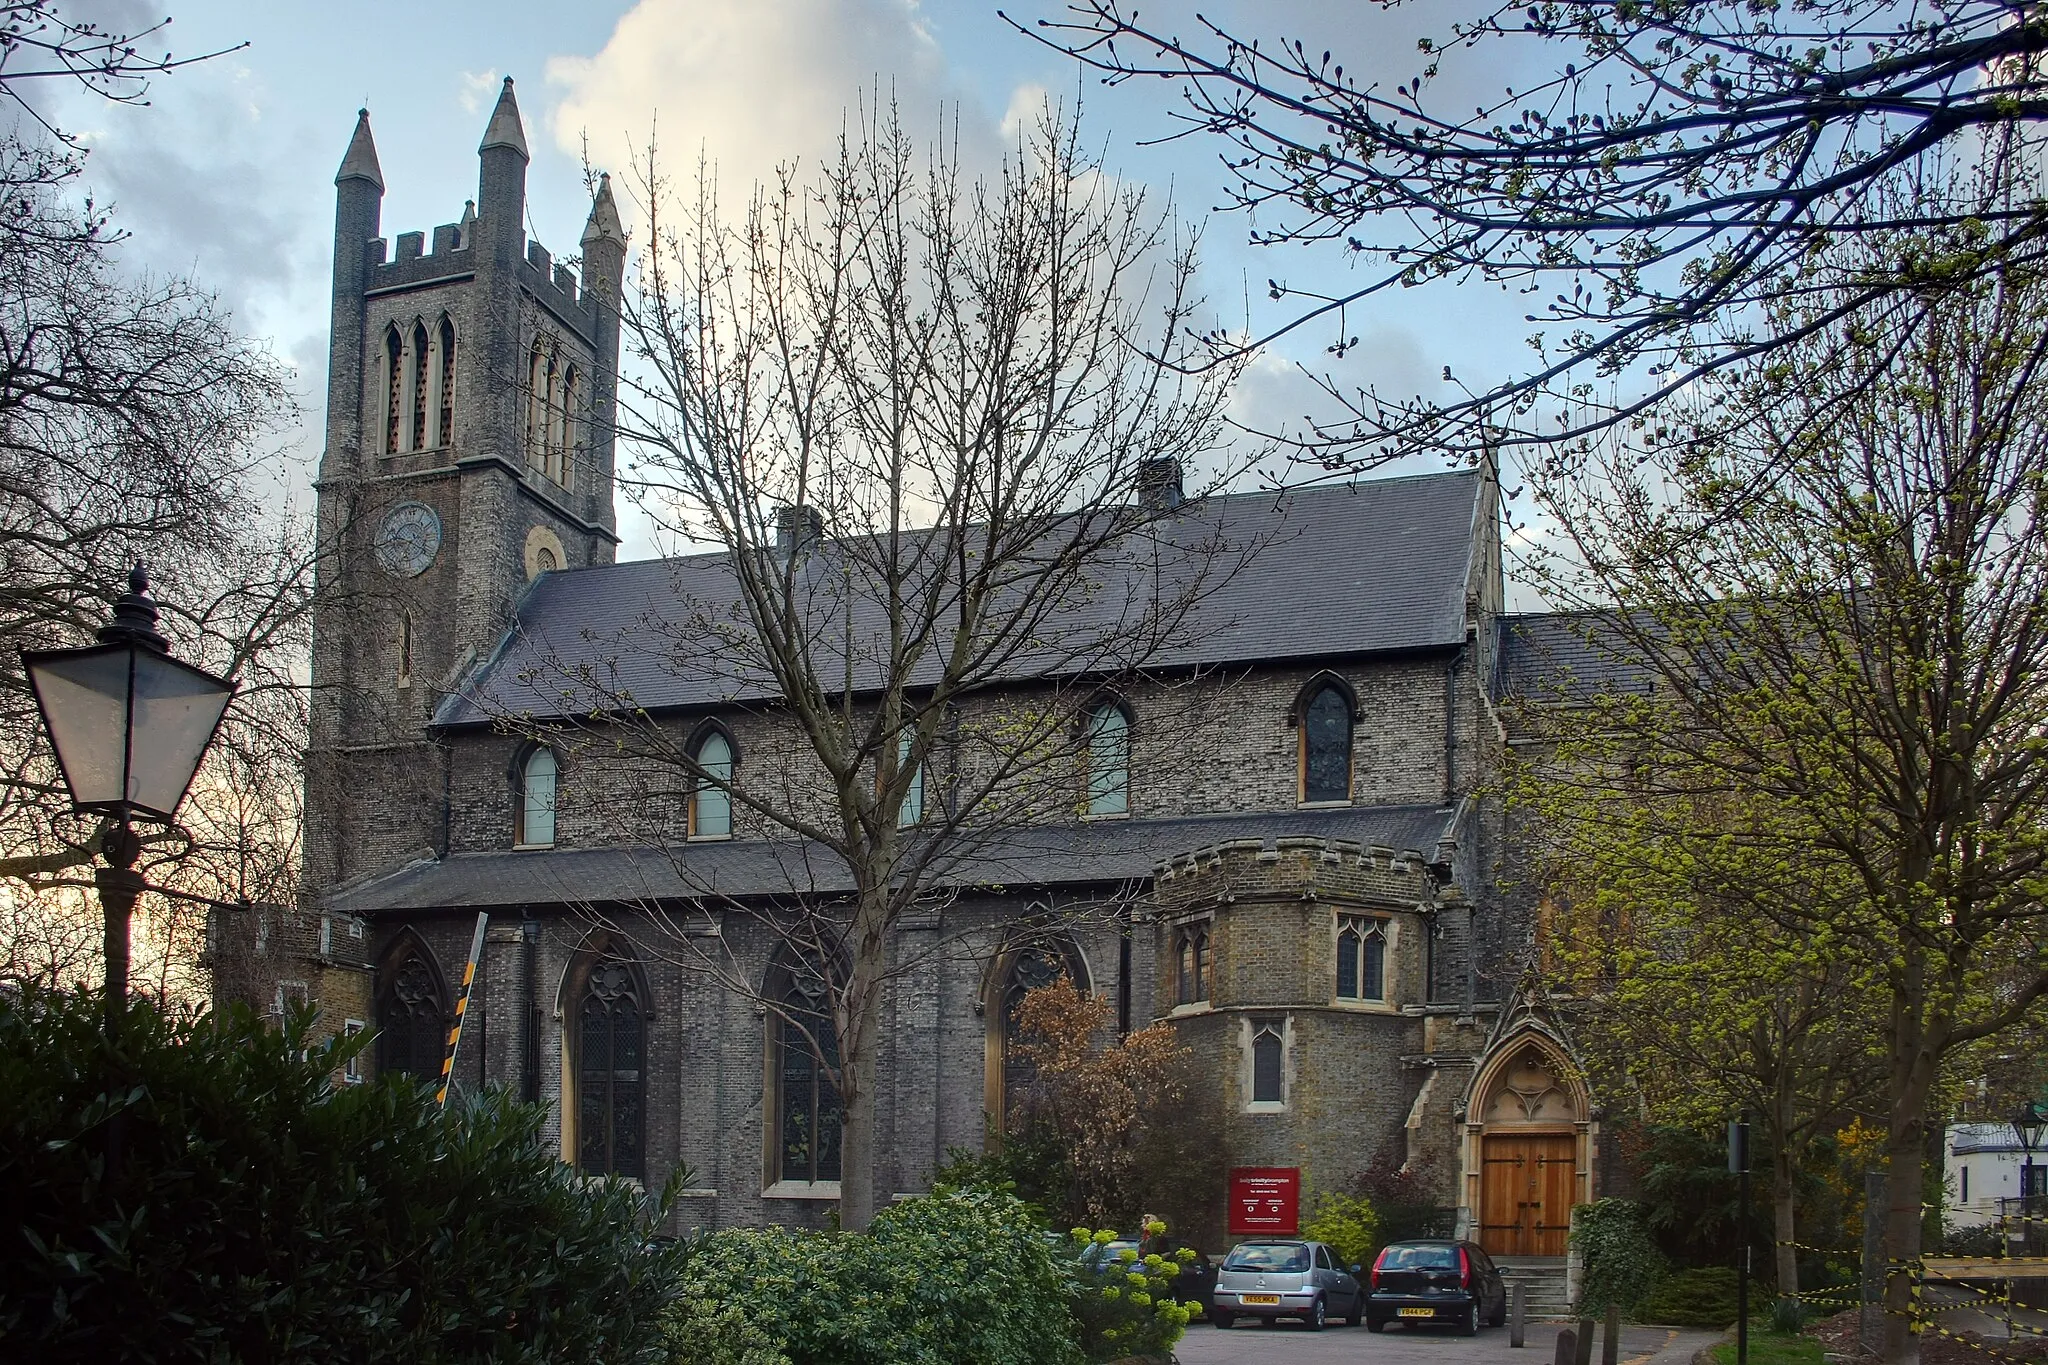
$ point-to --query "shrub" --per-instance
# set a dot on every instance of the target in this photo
(1692, 1298)
(957, 1276)
(1622, 1263)
(1125, 1306)
(261, 1213)
(1350, 1224)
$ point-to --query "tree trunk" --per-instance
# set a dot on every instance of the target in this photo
(858, 1040)
(1783, 1225)
(1906, 1153)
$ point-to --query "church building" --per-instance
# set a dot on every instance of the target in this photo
(1310, 897)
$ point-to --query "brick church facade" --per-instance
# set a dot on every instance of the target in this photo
(1311, 897)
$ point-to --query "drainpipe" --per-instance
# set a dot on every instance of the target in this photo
(530, 1050)
(1123, 969)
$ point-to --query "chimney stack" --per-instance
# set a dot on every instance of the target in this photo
(1159, 486)
(798, 530)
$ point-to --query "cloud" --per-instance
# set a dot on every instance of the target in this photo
(476, 86)
(754, 85)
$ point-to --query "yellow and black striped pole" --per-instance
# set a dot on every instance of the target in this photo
(476, 950)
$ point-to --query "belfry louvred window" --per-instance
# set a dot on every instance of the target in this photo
(611, 1045)
(394, 389)
(445, 423)
(419, 387)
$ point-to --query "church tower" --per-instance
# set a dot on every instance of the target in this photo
(471, 384)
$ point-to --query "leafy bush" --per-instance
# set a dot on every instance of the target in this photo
(1692, 1298)
(1350, 1224)
(1622, 1262)
(956, 1276)
(1125, 1306)
(1789, 1316)
(258, 1212)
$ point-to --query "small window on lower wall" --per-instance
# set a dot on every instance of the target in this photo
(1268, 1061)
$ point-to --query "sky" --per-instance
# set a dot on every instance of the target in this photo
(227, 174)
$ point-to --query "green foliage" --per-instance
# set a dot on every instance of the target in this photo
(1348, 1223)
(1789, 1315)
(260, 1213)
(1403, 1194)
(1125, 1306)
(1029, 1164)
(1701, 1297)
(961, 1276)
(1774, 1348)
(1622, 1263)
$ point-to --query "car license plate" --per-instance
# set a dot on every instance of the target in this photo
(1418, 1312)
(1258, 1298)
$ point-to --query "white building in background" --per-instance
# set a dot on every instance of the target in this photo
(1982, 1164)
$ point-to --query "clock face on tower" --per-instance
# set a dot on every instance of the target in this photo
(408, 539)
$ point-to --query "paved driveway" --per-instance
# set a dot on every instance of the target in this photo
(1288, 1342)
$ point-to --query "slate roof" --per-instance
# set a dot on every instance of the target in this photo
(1040, 856)
(1370, 567)
(1565, 656)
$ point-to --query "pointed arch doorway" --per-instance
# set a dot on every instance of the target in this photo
(1528, 1149)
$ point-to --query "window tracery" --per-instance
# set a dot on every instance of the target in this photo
(412, 1020)
(611, 1037)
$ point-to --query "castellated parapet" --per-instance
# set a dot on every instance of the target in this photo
(1337, 869)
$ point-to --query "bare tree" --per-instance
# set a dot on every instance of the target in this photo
(134, 425)
(1853, 651)
(1673, 164)
(909, 411)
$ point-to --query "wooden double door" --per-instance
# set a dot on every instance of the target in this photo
(1526, 1188)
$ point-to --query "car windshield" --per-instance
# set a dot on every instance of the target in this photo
(1420, 1257)
(1266, 1256)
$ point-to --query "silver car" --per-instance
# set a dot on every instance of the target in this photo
(1272, 1278)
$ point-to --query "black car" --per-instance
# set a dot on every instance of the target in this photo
(1435, 1283)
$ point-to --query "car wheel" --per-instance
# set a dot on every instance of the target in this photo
(1375, 1324)
(1223, 1319)
(1318, 1315)
(1470, 1326)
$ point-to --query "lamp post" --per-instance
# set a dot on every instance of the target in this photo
(129, 724)
(2027, 1126)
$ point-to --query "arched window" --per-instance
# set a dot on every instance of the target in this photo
(711, 795)
(1326, 745)
(404, 648)
(1191, 963)
(394, 382)
(445, 426)
(610, 1080)
(1011, 1077)
(544, 560)
(911, 811)
(419, 386)
(804, 1057)
(536, 396)
(1361, 958)
(565, 430)
(412, 1015)
(536, 815)
(1109, 760)
(1269, 1058)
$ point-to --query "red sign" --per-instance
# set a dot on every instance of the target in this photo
(1265, 1199)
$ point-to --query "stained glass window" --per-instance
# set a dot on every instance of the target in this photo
(1326, 747)
(610, 1076)
(807, 1053)
(412, 1021)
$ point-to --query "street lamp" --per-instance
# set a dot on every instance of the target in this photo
(129, 724)
(2027, 1126)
